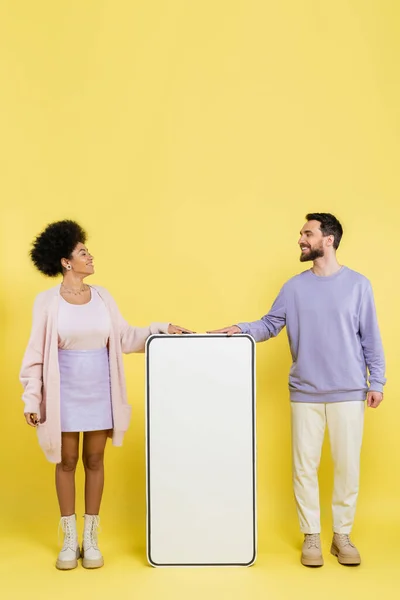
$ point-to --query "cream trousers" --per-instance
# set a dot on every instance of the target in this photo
(345, 421)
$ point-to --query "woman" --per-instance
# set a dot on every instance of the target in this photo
(73, 378)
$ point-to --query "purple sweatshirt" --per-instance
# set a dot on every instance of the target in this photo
(333, 335)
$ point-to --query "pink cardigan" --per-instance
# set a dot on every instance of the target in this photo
(40, 374)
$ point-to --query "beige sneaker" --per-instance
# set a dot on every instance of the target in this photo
(311, 554)
(345, 550)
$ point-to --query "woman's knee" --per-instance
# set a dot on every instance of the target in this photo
(93, 461)
(69, 462)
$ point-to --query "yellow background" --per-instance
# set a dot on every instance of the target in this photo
(190, 138)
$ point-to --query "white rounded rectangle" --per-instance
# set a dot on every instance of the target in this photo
(201, 456)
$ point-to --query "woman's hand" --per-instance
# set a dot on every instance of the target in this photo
(32, 419)
(175, 330)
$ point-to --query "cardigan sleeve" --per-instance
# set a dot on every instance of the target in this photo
(133, 339)
(31, 373)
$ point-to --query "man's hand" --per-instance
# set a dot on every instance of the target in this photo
(232, 330)
(374, 399)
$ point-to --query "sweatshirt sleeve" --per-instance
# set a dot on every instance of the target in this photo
(133, 339)
(270, 324)
(371, 341)
(31, 373)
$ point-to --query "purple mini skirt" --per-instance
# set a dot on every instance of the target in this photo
(85, 390)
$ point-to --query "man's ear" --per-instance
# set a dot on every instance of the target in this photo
(330, 240)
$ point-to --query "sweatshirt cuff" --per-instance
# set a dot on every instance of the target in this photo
(375, 386)
(244, 327)
(159, 328)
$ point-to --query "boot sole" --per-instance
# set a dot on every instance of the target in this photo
(68, 565)
(345, 560)
(92, 564)
(312, 562)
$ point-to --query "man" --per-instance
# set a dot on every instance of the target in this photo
(335, 342)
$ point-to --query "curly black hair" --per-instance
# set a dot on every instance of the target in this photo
(57, 241)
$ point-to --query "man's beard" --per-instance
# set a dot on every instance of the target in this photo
(313, 254)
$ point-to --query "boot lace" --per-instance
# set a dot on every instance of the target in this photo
(344, 539)
(312, 540)
(69, 533)
(90, 533)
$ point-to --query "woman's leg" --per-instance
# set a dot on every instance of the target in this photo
(65, 473)
(65, 485)
(94, 443)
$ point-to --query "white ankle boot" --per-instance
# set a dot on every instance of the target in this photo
(91, 555)
(68, 557)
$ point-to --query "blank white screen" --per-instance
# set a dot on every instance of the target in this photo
(200, 450)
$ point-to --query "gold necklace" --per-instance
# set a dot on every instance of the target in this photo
(83, 289)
